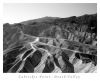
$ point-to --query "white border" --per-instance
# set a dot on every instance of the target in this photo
(16, 76)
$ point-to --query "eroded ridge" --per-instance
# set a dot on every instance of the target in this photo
(49, 56)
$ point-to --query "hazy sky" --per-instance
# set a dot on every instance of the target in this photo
(18, 12)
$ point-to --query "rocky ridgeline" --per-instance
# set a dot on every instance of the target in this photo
(43, 56)
(77, 36)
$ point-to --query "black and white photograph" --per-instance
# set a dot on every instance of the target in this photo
(50, 38)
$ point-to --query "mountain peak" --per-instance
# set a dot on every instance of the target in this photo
(42, 19)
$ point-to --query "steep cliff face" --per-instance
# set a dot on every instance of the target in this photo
(51, 45)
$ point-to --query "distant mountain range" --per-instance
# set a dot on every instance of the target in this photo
(43, 19)
(81, 29)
